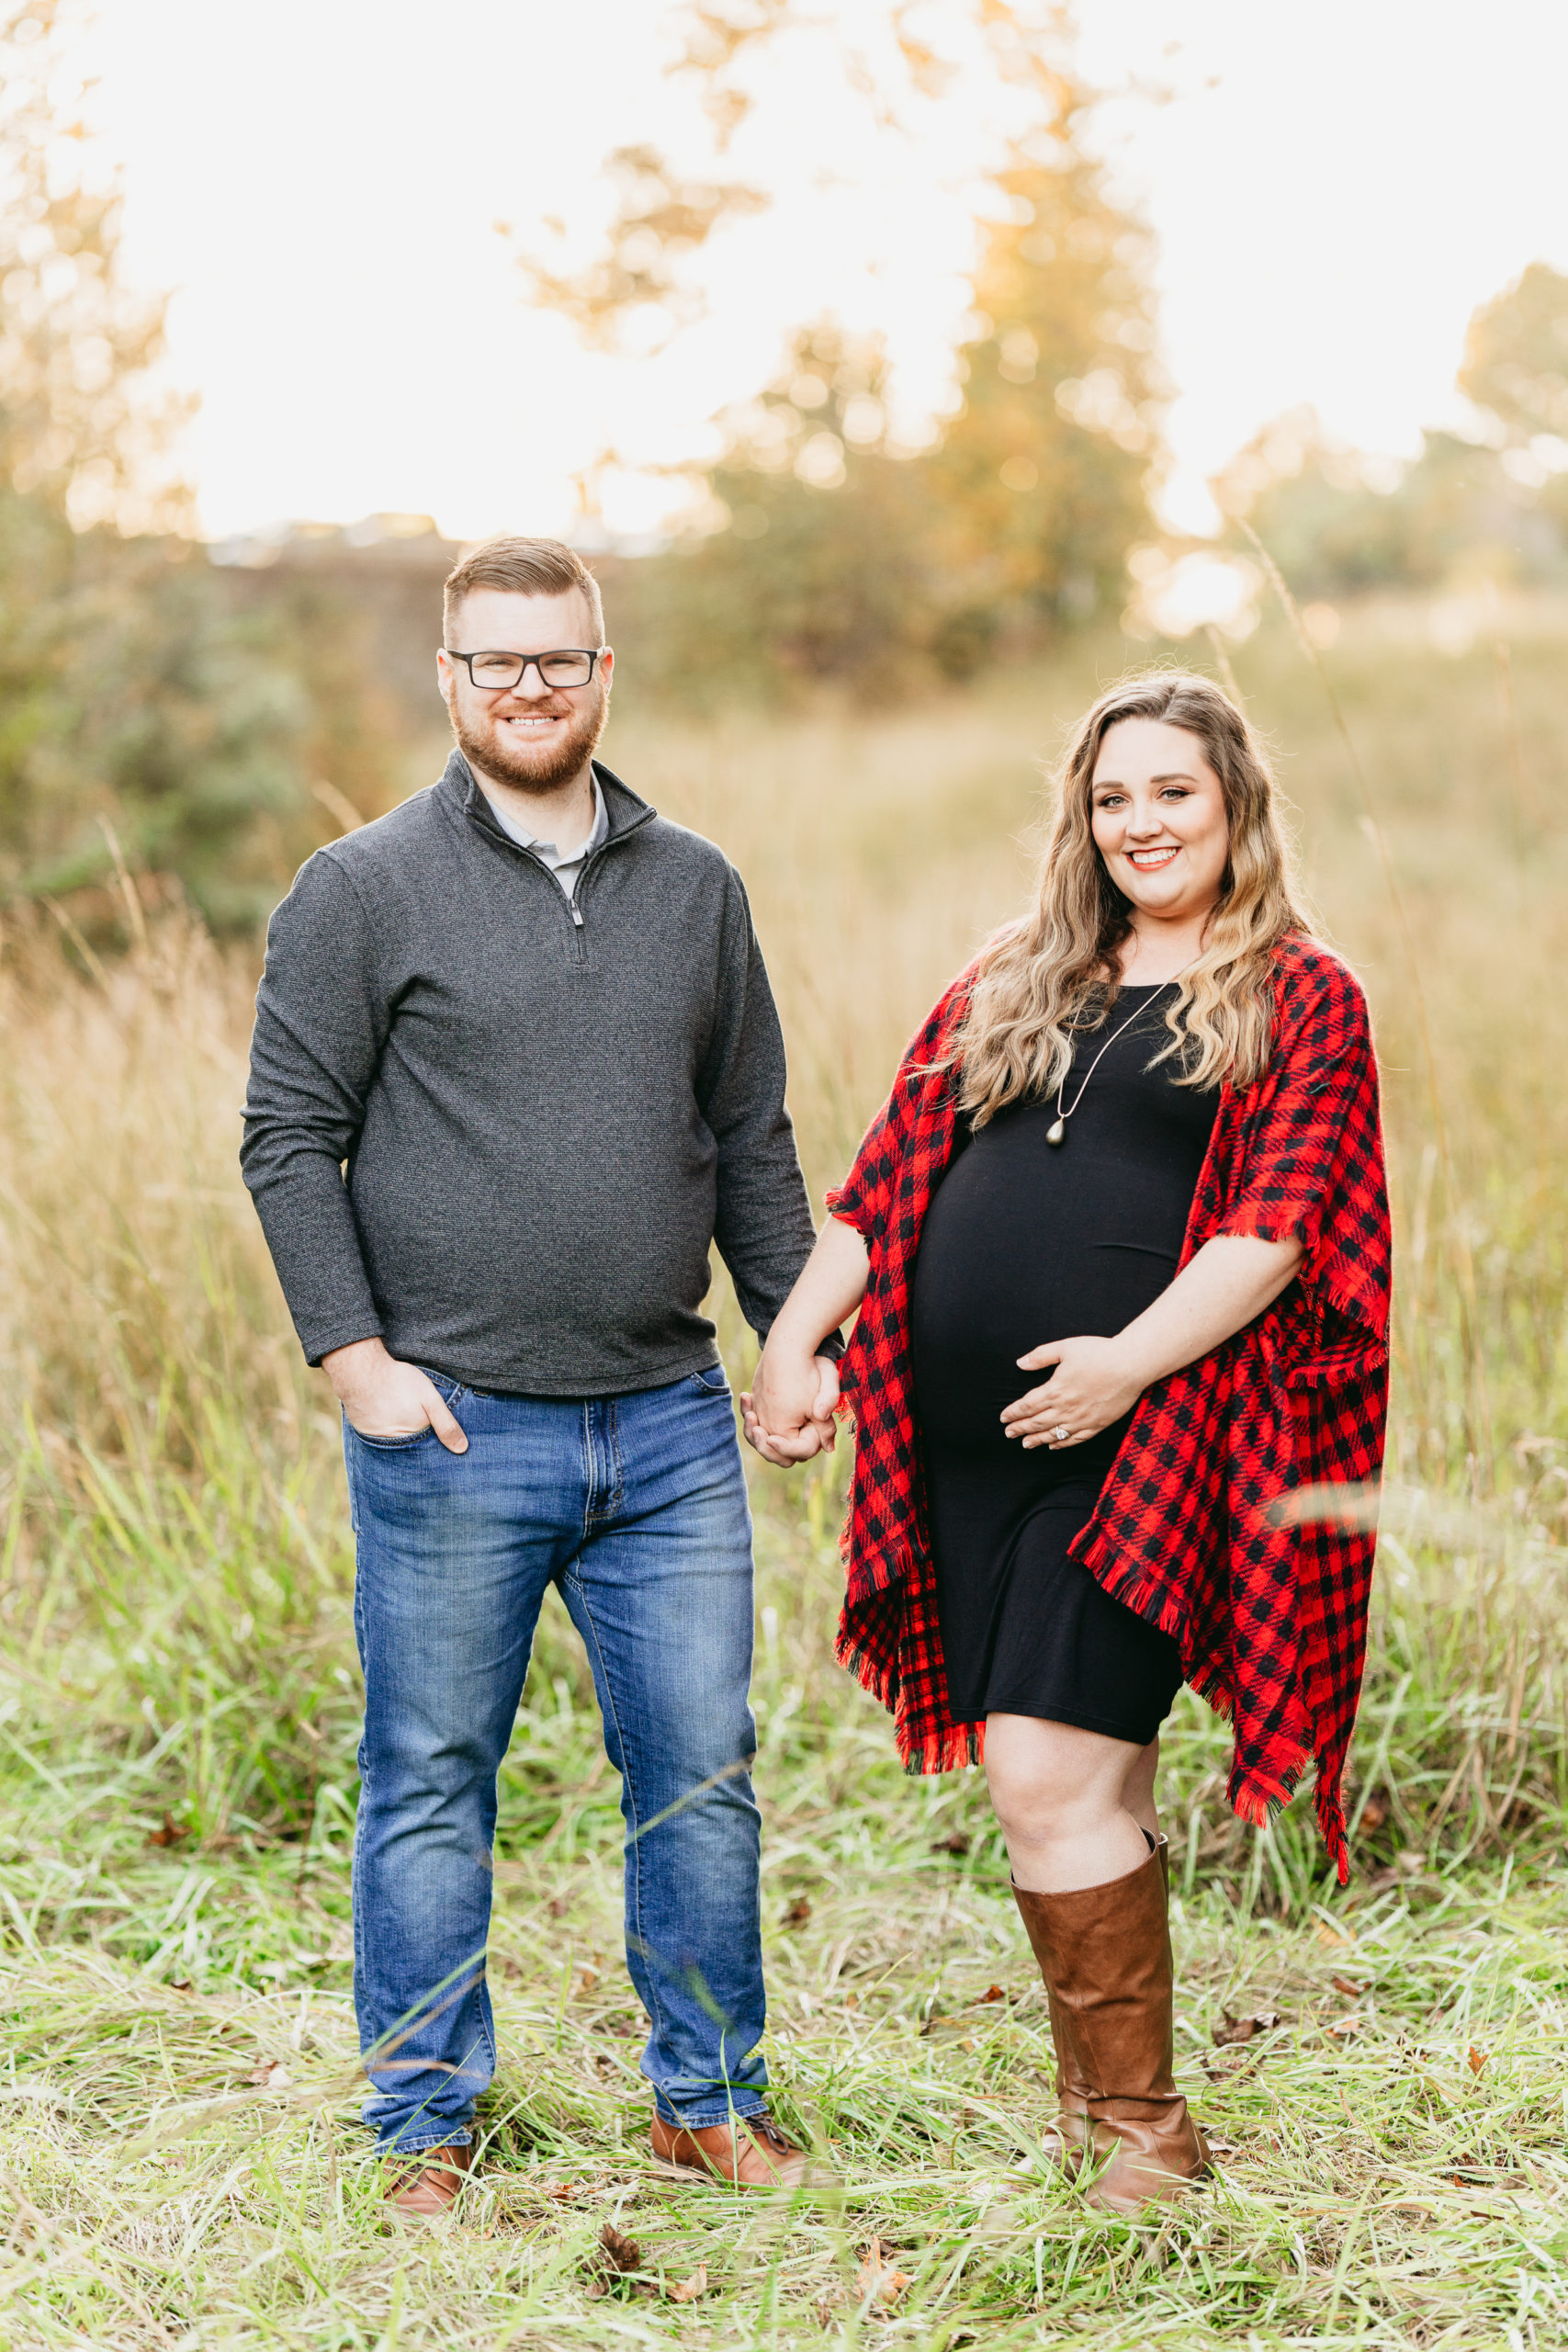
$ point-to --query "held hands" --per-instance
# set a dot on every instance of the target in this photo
(787, 1414)
(382, 1397)
(1091, 1387)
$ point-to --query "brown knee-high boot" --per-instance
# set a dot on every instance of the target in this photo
(1105, 1953)
(1066, 2140)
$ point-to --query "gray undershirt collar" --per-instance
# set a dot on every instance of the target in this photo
(565, 869)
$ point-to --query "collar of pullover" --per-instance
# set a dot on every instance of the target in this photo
(624, 810)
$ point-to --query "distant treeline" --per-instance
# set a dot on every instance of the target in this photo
(1490, 507)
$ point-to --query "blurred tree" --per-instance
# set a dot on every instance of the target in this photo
(1515, 357)
(821, 548)
(1042, 479)
(637, 295)
(1339, 524)
(81, 418)
(136, 692)
(133, 692)
(715, 37)
(833, 554)
(822, 563)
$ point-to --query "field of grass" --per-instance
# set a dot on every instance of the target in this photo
(179, 2166)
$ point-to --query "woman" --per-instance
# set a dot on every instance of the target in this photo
(1134, 1152)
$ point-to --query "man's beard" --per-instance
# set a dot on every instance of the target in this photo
(543, 770)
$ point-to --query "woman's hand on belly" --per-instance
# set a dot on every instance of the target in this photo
(1233, 1278)
(1094, 1383)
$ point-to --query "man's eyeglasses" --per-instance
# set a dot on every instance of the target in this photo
(568, 665)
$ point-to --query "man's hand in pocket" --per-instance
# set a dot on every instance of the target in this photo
(385, 1398)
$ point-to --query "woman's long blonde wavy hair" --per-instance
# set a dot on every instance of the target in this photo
(1056, 972)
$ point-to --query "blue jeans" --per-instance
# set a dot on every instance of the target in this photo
(635, 1507)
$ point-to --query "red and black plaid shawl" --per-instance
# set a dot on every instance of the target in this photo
(1188, 1530)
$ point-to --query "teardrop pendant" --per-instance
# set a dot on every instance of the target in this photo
(1056, 1132)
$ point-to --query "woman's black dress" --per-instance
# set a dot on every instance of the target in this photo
(1026, 1241)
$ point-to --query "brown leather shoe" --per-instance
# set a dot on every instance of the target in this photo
(1105, 1955)
(1064, 2142)
(750, 2154)
(424, 2184)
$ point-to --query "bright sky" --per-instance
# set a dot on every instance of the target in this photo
(1334, 190)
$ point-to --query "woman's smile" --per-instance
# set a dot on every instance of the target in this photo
(1157, 814)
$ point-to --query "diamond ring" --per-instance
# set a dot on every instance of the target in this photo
(1061, 1431)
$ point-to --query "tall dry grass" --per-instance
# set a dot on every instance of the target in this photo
(173, 1560)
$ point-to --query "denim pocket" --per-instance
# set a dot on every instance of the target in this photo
(392, 1445)
(452, 1391)
(711, 1380)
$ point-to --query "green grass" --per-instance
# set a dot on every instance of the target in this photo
(174, 1929)
(1392, 2169)
(179, 1696)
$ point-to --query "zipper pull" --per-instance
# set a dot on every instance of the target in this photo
(576, 913)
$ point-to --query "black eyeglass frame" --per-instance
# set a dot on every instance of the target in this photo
(590, 653)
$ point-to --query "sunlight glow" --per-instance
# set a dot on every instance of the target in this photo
(321, 188)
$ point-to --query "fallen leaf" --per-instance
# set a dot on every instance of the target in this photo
(563, 2192)
(1327, 1933)
(798, 1913)
(169, 1835)
(181, 1985)
(1218, 2148)
(686, 2290)
(1374, 1813)
(1243, 2029)
(992, 1992)
(1346, 1985)
(1343, 2028)
(1475, 2059)
(272, 2074)
(879, 2279)
(959, 1843)
(619, 2254)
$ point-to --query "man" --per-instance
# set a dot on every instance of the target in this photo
(533, 1020)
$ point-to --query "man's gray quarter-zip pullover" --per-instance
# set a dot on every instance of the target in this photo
(549, 1109)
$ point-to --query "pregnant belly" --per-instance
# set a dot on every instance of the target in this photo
(975, 1312)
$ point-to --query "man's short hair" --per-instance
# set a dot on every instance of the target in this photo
(525, 567)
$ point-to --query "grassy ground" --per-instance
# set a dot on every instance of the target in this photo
(180, 2165)
(178, 2162)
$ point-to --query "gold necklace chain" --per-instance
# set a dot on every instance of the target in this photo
(1057, 1131)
